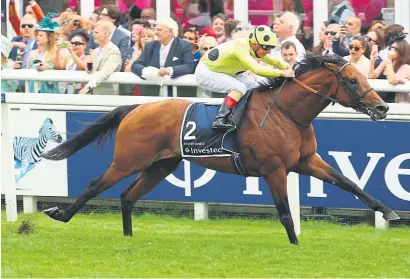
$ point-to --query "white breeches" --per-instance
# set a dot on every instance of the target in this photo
(223, 83)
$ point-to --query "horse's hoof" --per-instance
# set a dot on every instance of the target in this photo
(391, 216)
(55, 213)
(52, 212)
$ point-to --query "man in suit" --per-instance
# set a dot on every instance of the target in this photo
(170, 54)
(106, 60)
(22, 46)
(120, 37)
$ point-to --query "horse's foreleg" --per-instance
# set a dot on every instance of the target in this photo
(318, 168)
(96, 186)
(145, 182)
(277, 185)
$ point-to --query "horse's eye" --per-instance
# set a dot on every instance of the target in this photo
(353, 81)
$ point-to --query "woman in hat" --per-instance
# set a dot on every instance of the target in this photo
(46, 57)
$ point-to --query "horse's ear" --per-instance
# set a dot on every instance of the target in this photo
(331, 66)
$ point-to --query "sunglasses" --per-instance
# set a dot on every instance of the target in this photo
(77, 43)
(356, 48)
(369, 39)
(207, 48)
(265, 47)
(27, 25)
(333, 33)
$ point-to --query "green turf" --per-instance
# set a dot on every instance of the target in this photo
(93, 246)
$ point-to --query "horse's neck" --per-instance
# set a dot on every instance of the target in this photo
(300, 104)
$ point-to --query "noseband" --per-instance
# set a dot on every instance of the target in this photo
(352, 92)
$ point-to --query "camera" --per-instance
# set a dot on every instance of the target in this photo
(37, 62)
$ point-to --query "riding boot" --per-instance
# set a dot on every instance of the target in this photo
(222, 120)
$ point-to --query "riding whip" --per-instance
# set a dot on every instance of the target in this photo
(271, 105)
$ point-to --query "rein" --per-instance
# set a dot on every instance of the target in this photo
(271, 105)
(316, 92)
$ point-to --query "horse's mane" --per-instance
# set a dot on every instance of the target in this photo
(309, 63)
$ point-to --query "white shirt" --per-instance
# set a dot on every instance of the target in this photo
(99, 54)
(346, 13)
(384, 53)
(277, 53)
(363, 64)
(163, 53)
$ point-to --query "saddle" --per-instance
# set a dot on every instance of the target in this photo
(198, 139)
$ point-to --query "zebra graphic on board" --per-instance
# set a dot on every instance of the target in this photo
(27, 151)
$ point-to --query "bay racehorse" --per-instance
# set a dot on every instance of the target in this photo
(147, 139)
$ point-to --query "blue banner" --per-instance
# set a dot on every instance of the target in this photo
(375, 155)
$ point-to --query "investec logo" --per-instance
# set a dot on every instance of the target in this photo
(391, 173)
(391, 176)
(186, 183)
(252, 183)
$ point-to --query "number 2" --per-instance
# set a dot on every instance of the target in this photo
(188, 135)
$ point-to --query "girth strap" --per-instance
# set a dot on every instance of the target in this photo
(238, 164)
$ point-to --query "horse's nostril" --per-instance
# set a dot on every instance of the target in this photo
(382, 108)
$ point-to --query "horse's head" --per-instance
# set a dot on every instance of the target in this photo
(351, 88)
(50, 131)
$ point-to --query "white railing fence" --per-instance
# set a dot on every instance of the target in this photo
(130, 78)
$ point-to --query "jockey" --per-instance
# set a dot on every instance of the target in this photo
(223, 68)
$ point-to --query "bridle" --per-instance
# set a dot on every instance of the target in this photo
(358, 106)
(348, 87)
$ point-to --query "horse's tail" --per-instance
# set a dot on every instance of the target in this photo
(101, 129)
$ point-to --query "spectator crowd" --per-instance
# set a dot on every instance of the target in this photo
(111, 41)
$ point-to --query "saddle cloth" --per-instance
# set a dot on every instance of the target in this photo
(198, 139)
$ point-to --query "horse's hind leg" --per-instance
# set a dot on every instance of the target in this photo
(145, 182)
(318, 168)
(277, 185)
(96, 186)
